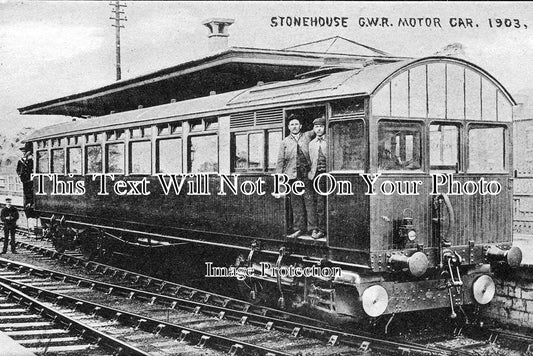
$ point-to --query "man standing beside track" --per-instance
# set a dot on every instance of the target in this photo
(9, 217)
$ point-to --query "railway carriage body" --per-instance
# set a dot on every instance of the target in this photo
(408, 125)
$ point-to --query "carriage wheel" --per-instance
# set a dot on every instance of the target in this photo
(88, 243)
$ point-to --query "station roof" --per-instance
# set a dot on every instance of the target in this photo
(349, 83)
(232, 69)
(361, 81)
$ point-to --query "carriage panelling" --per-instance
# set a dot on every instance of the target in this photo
(483, 218)
(478, 218)
(252, 216)
(387, 213)
(349, 216)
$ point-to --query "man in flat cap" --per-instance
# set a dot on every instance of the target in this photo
(9, 217)
(318, 154)
(293, 161)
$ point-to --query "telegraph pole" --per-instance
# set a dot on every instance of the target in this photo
(117, 12)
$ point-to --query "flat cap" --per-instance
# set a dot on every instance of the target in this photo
(320, 121)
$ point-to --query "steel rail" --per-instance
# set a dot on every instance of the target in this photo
(88, 332)
(331, 336)
(280, 318)
(171, 288)
(142, 322)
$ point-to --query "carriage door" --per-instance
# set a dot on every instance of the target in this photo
(348, 214)
(297, 208)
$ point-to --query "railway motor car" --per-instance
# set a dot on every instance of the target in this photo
(406, 120)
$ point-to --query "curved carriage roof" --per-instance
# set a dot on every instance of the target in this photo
(357, 82)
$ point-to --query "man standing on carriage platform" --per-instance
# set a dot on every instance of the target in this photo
(24, 171)
(318, 153)
(293, 161)
(9, 217)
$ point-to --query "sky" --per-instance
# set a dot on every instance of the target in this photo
(50, 49)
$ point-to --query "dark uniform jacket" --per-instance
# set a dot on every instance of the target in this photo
(24, 169)
(288, 153)
(9, 216)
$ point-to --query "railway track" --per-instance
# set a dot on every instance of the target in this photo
(269, 335)
(169, 297)
(46, 331)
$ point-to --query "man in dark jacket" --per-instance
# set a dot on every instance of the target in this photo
(24, 171)
(9, 217)
(293, 161)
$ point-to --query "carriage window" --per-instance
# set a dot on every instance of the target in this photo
(203, 154)
(444, 146)
(399, 146)
(249, 150)
(74, 160)
(241, 151)
(58, 161)
(140, 157)
(347, 107)
(42, 161)
(486, 149)
(274, 141)
(169, 156)
(348, 150)
(115, 158)
(93, 157)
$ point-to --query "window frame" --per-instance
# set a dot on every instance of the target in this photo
(267, 148)
(460, 144)
(506, 146)
(51, 156)
(106, 153)
(86, 158)
(47, 160)
(329, 163)
(129, 156)
(422, 124)
(190, 136)
(265, 131)
(157, 150)
(247, 133)
(67, 160)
